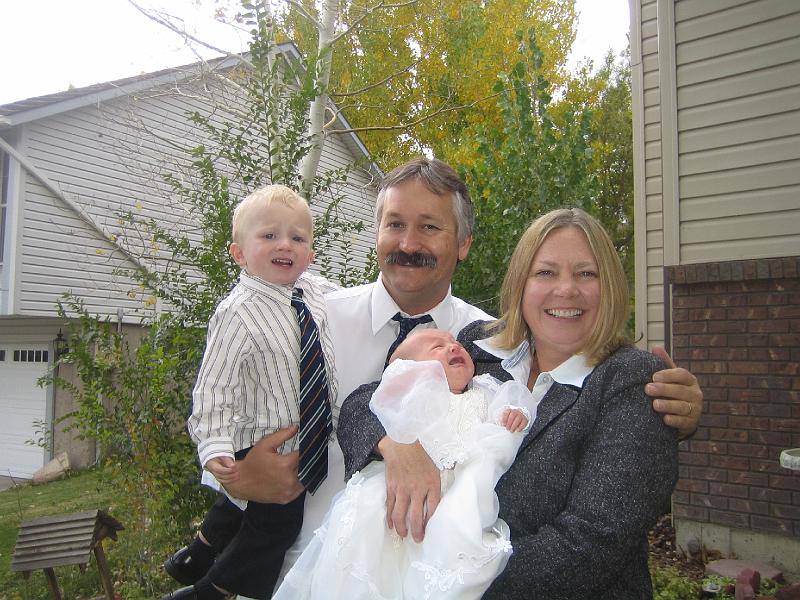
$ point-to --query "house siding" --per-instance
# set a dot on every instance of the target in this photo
(109, 158)
(717, 101)
(648, 192)
(736, 119)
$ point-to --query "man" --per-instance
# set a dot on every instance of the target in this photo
(424, 229)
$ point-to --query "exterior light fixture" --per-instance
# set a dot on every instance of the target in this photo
(60, 347)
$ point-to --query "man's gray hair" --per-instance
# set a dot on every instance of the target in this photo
(439, 178)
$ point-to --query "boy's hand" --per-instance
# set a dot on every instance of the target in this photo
(266, 476)
(677, 396)
(224, 469)
(514, 420)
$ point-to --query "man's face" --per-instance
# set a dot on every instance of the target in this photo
(418, 246)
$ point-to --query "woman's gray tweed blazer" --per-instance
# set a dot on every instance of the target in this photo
(593, 474)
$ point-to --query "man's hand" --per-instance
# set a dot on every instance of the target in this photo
(224, 469)
(266, 476)
(677, 396)
(413, 487)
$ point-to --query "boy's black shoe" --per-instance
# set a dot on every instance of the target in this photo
(188, 565)
(185, 593)
(204, 590)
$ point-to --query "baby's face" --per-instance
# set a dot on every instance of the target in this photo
(439, 345)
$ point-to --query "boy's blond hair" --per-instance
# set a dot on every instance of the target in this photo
(264, 196)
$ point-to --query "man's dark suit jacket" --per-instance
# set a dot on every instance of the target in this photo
(591, 477)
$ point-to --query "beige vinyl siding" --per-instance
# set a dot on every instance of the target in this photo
(97, 159)
(738, 90)
(112, 157)
(732, 142)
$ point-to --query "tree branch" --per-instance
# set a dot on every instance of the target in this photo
(406, 126)
(379, 6)
(304, 13)
(377, 83)
(163, 19)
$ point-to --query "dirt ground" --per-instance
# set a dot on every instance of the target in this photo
(664, 551)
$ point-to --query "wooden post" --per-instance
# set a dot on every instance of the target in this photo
(105, 573)
(52, 584)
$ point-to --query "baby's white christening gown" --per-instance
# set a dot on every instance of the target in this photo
(355, 556)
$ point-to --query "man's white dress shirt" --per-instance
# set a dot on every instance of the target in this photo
(362, 330)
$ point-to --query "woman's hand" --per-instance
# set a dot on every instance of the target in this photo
(677, 396)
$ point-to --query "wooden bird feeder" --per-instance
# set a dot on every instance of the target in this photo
(62, 540)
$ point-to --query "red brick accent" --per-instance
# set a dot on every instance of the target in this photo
(736, 326)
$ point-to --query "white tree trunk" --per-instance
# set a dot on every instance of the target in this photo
(316, 112)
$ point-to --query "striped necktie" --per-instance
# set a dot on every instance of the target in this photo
(406, 325)
(315, 408)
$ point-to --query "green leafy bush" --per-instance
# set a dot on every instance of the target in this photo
(669, 584)
(133, 398)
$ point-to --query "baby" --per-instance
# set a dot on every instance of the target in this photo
(471, 428)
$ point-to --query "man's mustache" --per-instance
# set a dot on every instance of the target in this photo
(417, 259)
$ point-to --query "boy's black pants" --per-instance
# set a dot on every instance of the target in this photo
(250, 544)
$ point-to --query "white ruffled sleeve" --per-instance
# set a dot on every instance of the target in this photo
(411, 397)
(509, 394)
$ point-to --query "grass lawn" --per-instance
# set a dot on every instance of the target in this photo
(78, 492)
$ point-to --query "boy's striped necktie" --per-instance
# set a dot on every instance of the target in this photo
(315, 409)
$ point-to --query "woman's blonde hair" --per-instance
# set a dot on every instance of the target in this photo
(608, 332)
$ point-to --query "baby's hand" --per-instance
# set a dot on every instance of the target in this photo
(224, 469)
(514, 420)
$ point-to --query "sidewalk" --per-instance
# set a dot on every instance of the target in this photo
(5, 483)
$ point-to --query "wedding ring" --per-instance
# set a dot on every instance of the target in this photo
(691, 409)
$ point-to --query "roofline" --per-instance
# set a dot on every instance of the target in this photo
(135, 84)
(125, 87)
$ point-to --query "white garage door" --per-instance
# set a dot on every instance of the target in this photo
(22, 403)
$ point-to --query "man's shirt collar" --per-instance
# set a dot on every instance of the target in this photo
(384, 308)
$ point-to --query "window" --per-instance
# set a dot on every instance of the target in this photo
(2, 355)
(4, 167)
(30, 356)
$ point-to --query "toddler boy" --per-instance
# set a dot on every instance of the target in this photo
(268, 366)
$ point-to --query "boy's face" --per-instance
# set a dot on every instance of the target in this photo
(275, 244)
(439, 345)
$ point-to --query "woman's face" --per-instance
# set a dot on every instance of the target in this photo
(562, 296)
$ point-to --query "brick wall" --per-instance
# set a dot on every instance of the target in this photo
(736, 326)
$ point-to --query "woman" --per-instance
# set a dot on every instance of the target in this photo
(598, 466)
